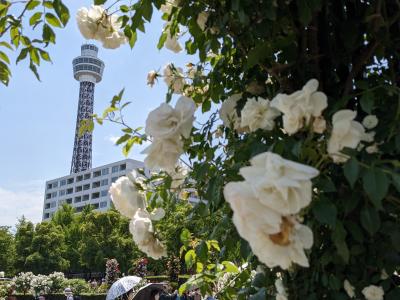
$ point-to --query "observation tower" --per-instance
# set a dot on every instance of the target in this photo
(88, 70)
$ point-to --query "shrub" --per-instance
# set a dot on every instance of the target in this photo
(78, 286)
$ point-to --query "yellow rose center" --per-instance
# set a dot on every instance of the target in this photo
(282, 238)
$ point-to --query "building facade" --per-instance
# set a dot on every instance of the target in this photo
(84, 188)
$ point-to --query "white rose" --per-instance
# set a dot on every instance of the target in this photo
(163, 154)
(202, 20)
(345, 133)
(126, 197)
(174, 78)
(372, 149)
(299, 107)
(373, 292)
(282, 185)
(370, 121)
(368, 137)
(349, 289)
(319, 125)
(87, 26)
(151, 77)
(167, 7)
(114, 40)
(228, 113)
(157, 214)
(171, 43)
(168, 122)
(258, 114)
(142, 231)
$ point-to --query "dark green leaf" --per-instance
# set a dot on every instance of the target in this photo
(34, 70)
(22, 55)
(162, 40)
(367, 102)
(4, 57)
(32, 4)
(202, 251)
(48, 34)
(351, 171)
(396, 181)
(339, 239)
(34, 55)
(325, 212)
(44, 55)
(260, 295)
(99, 2)
(7, 45)
(123, 139)
(376, 184)
(370, 219)
(62, 11)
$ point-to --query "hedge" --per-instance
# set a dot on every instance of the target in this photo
(62, 297)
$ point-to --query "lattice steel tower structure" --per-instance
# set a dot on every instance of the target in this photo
(88, 70)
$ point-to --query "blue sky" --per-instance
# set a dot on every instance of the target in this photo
(37, 119)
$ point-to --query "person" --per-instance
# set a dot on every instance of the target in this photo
(41, 297)
(68, 293)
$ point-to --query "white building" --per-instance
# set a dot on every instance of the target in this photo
(86, 187)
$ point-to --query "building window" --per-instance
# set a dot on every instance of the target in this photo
(86, 187)
(53, 194)
(46, 215)
(95, 205)
(77, 199)
(60, 202)
(79, 178)
(96, 195)
(86, 176)
(61, 193)
(104, 193)
(80, 208)
(95, 184)
(70, 191)
(103, 204)
(53, 204)
(63, 182)
(114, 169)
(104, 171)
(96, 174)
(47, 206)
(85, 197)
(55, 184)
(122, 167)
(104, 182)
(78, 189)
(70, 180)
(49, 186)
(114, 179)
(69, 201)
(48, 196)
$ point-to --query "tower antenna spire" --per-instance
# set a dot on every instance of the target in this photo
(88, 70)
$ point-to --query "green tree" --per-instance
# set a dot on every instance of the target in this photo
(69, 222)
(23, 243)
(47, 250)
(105, 235)
(7, 251)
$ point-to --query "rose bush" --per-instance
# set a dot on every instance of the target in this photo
(309, 196)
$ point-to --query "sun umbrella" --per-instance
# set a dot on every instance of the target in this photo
(145, 292)
(121, 286)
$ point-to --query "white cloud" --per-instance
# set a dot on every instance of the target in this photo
(111, 138)
(25, 200)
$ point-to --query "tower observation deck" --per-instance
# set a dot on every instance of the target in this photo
(88, 70)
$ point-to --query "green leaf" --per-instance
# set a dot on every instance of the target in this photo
(370, 219)
(376, 185)
(61, 11)
(147, 10)
(34, 55)
(34, 70)
(325, 212)
(127, 147)
(396, 181)
(15, 36)
(230, 267)
(52, 20)
(367, 102)
(186, 237)
(162, 40)
(339, 239)
(35, 18)
(48, 34)
(305, 12)
(32, 4)
(202, 251)
(199, 267)
(7, 45)
(22, 55)
(124, 8)
(190, 258)
(99, 2)
(351, 171)
(44, 55)
(258, 54)
(123, 139)
(4, 57)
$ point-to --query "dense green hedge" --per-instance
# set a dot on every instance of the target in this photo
(62, 297)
